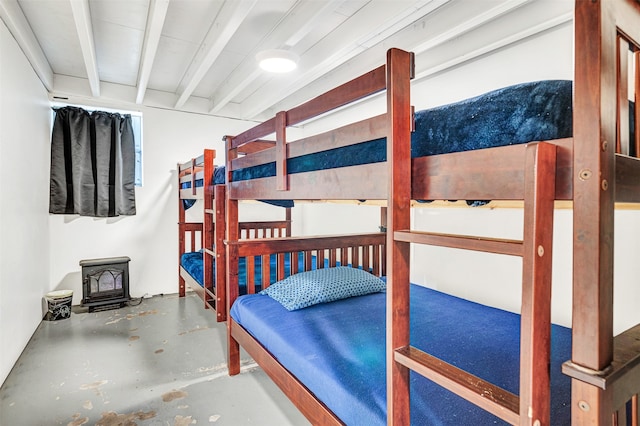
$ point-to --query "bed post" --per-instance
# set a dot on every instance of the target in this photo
(287, 217)
(399, 73)
(594, 129)
(181, 219)
(207, 224)
(219, 229)
(231, 282)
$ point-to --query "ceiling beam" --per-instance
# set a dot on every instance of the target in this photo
(223, 28)
(500, 44)
(16, 22)
(82, 19)
(470, 24)
(155, 22)
(473, 23)
(346, 52)
(248, 71)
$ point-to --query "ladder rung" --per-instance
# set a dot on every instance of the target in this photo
(210, 211)
(487, 396)
(209, 251)
(490, 245)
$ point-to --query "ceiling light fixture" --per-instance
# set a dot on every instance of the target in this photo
(277, 60)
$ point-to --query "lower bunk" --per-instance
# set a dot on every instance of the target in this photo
(202, 279)
(329, 358)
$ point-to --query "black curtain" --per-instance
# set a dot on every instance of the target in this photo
(92, 164)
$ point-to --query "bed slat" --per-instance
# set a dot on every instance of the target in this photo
(490, 245)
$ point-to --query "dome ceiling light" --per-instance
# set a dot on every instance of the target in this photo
(277, 60)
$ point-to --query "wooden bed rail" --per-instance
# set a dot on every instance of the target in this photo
(357, 250)
(358, 88)
(265, 229)
(367, 251)
(366, 85)
(191, 232)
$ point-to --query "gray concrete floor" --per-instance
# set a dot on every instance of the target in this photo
(161, 362)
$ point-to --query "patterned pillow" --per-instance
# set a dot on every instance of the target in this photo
(323, 285)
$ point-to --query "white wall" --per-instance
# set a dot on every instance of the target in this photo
(491, 279)
(24, 191)
(40, 253)
(150, 238)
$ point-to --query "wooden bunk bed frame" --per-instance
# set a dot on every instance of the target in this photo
(605, 369)
(207, 236)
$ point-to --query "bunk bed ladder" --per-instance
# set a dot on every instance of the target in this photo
(532, 406)
(214, 233)
(207, 228)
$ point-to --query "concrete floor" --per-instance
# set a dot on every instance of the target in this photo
(161, 362)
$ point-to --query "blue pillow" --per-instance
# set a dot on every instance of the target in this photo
(323, 285)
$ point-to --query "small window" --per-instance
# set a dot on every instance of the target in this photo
(136, 121)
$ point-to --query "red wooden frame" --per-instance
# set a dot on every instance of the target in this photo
(585, 169)
(209, 235)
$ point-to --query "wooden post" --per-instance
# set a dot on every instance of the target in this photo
(207, 223)
(181, 242)
(399, 72)
(535, 322)
(594, 130)
(232, 259)
(220, 229)
(281, 151)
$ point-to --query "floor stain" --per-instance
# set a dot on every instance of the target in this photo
(173, 395)
(111, 418)
(182, 421)
(134, 338)
(78, 421)
(193, 331)
(94, 385)
(143, 313)
(87, 405)
(159, 351)
(132, 316)
(214, 418)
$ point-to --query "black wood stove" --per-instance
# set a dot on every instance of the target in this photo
(105, 283)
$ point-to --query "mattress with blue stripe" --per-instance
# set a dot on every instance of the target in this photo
(517, 114)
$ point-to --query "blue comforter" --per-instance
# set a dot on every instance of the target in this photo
(338, 351)
(192, 262)
(521, 113)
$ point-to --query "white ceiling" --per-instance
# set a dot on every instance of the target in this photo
(199, 55)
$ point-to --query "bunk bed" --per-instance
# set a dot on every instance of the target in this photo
(201, 252)
(586, 168)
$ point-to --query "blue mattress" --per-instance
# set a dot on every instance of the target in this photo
(192, 262)
(219, 179)
(338, 351)
(517, 114)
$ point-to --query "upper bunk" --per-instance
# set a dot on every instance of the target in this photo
(198, 175)
(328, 166)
